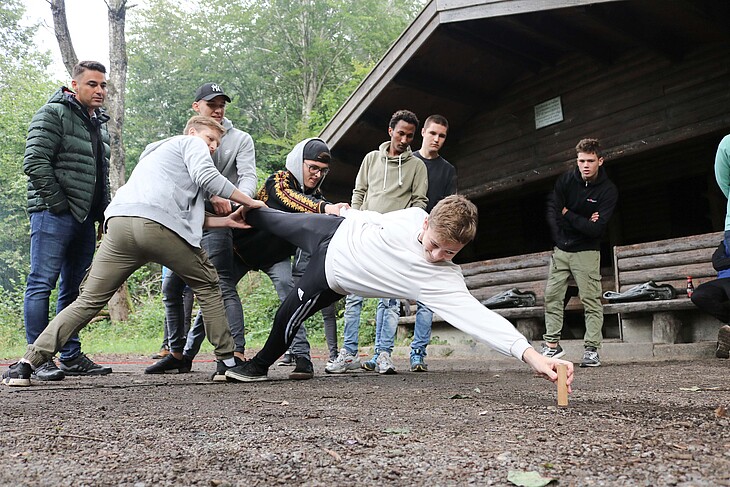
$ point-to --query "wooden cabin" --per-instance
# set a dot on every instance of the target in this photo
(649, 78)
(521, 81)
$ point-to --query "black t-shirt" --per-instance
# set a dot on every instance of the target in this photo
(441, 179)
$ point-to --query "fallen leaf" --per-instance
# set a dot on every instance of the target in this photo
(459, 396)
(528, 479)
(695, 388)
(397, 431)
(721, 412)
(333, 454)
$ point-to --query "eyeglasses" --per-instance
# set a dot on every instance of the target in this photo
(316, 169)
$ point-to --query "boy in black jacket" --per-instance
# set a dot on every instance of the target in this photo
(582, 203)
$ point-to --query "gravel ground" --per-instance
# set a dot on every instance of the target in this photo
(465, 422)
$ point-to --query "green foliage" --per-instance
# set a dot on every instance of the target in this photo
(141, 334)
(288, 65)
(12, 333)
(21, 67)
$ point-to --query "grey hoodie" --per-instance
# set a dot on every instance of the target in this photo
(236, 158)
(168, 184)
(387, 183)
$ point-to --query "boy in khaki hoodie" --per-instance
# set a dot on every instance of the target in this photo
(390, 178)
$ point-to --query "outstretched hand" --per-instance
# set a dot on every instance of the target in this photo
(335, 208)
(252, 203)
(237, 219)
(221, 206)
(547, 368)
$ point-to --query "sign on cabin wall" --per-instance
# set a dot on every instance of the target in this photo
(548, 113)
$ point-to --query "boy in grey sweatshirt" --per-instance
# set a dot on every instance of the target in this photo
(158, 216)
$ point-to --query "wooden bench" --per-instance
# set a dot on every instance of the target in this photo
(664, 262)
(528, 272)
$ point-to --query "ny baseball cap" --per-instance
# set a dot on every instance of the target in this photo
(208, 91)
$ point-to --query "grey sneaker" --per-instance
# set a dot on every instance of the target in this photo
(385, 364)
(723, 342)
(550, 352)
(48, 371)
(590, 358)
(83, 365)
(345, 361)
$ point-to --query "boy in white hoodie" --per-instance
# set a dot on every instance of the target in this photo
(158, 216)
(402, 253)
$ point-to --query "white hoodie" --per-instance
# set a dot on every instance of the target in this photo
(374, 255)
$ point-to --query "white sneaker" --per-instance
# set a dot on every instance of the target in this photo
(345, 361)
(385, 365)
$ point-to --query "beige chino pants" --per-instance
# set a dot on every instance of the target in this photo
(130, 243)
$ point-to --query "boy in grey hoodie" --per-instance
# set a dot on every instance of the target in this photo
(390, 178)
(158, 216)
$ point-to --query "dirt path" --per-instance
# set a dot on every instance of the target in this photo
(464, 422)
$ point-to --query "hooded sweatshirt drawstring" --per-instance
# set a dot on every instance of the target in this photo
(400, 171)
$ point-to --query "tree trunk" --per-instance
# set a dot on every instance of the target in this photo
(117, 88)
(119, 306)
(63, 36)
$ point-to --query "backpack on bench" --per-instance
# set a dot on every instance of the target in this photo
(512, 298)
(649, 291)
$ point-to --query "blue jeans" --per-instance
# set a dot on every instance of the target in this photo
(386, 324)
(59, 246)
(422, 328)
(353, 309)
(280, 275)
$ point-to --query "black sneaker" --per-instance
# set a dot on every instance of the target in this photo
(590, 358)
(220, 370)
(248, 372)
(169, 364)
(18, 375)
(304, 369)
(287, 360)
(48, 371)
(83, 365)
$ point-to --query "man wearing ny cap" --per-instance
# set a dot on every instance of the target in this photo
(236, 160)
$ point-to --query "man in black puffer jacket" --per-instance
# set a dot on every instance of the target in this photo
(582, 203)
(67, 164)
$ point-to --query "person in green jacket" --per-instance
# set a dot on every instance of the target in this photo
(67, 164)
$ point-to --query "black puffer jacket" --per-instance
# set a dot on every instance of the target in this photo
(60, 158)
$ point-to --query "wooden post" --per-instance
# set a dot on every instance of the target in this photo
(562, 385)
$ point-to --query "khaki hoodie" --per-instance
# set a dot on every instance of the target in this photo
(386, 183)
